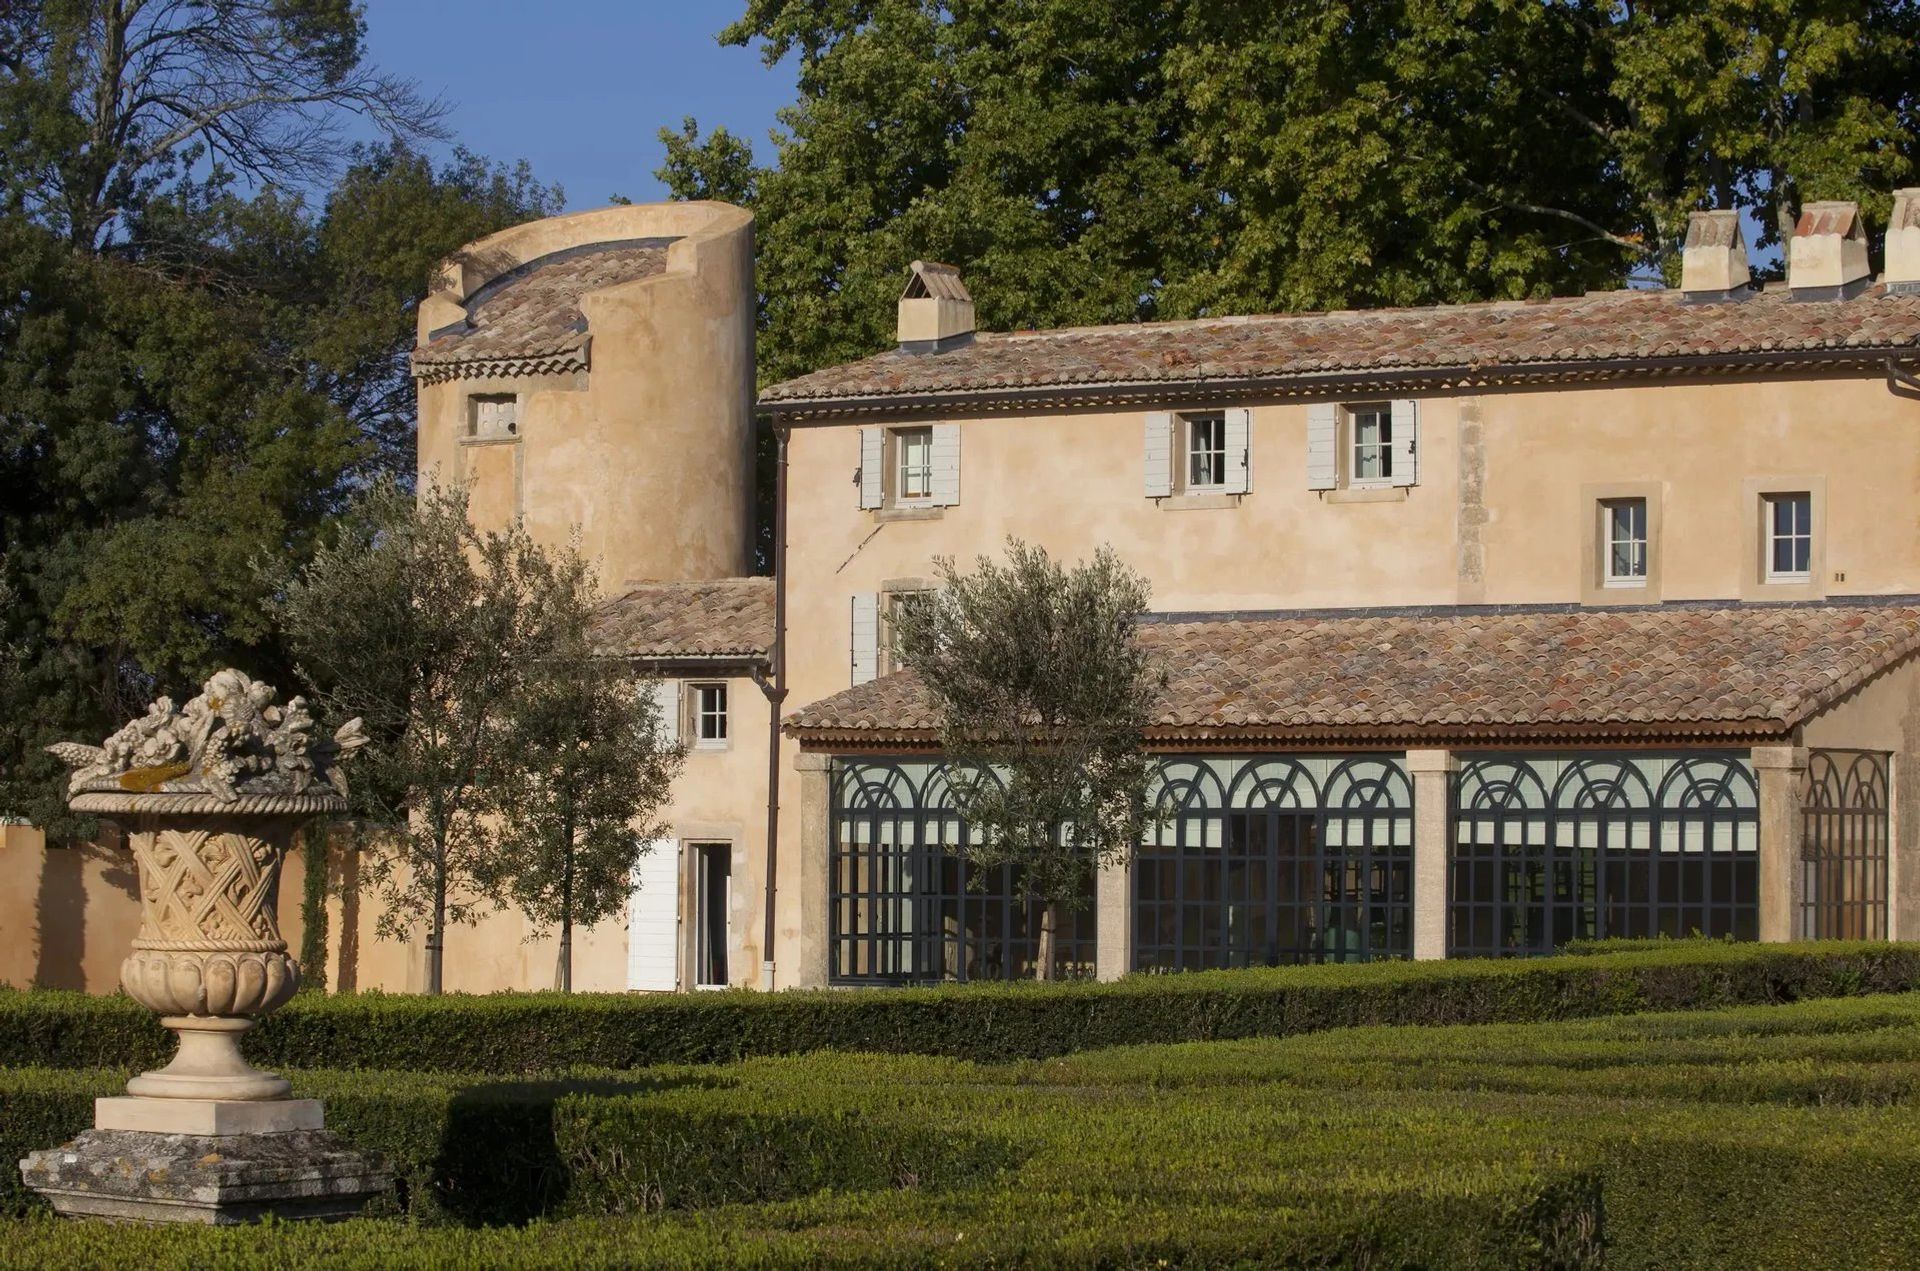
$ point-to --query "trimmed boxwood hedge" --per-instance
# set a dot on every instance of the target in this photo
(543, 1032)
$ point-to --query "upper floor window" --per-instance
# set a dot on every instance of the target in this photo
(1372, 446)
(915, 468)
(1789, 537)
(912, 464)
(1205, 437)
(1370, 437)
(709, 715)
(1623, 542)
(494, 415)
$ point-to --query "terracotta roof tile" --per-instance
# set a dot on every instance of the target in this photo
(1603, 326)
(1676, 671)
(533, 312)
(729, 618)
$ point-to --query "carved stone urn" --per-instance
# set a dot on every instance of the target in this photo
(209, 796)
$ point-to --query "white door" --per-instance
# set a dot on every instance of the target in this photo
(653, 919)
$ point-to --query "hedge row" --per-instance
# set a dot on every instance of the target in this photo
(529, 1033)
(1509, 1145)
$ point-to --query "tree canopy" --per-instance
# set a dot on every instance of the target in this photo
(1113, 160)
(202, 343)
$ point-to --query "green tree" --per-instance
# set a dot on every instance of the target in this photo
(103, 103)
(1115, 160)
(1044, 693)
(422, 626)
(585, 773)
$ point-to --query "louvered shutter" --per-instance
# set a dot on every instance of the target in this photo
(873, 462)
(1159, 479)
(866, 636)
(666, 697)
(653, 919)
(1239, 455)
(1323, 435)
(946, 464)
(1406, 441)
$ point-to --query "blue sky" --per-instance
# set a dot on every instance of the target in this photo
(580, 88)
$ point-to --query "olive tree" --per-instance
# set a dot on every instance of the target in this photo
(422, 626)
(585, 770)
(1044, 692)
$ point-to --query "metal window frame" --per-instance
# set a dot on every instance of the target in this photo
(903, 908)
(1846, 844)
(1362, 885)
(1601, 852)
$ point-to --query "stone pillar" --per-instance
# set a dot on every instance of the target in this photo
(810, 963)
(1113, 920)
(1432, 775)
(1781, 771)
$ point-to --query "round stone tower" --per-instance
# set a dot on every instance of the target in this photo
(595, 371)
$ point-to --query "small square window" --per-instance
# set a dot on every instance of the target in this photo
(1370, 444)
(709, 702)
(1623, 542)
(1789, 537)
(494, 415)
(1204, 443)
(912, 466)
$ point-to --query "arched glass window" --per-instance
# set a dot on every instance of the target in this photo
(1845, 833)
(1275, 859)
(1552, 849)
(906, 906)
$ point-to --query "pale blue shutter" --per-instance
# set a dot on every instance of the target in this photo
(1323, 435)
(865, 639)
(1239, 455)
(1159, 454)
(946, 464)
(873, 452)
(1406, 441)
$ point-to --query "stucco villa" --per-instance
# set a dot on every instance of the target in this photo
(1487, 626)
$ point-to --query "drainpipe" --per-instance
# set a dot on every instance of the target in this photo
(1900, 381)
(776, 693)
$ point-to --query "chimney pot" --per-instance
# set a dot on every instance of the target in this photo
(936, 312)
(1827, 256)
(1713, 261)
(1903, 243)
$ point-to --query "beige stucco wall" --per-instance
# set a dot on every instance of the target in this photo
(68, 915)
(647, 455)
(720, 796)
(1500, 515)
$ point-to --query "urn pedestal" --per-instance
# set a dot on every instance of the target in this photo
(208, 1138)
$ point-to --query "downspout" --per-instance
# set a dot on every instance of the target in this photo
(776, 693)
(1899, 379)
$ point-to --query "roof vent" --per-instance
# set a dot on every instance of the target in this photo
(936, 313)
(1713, 262)
(1827, 256)
(1903, 243)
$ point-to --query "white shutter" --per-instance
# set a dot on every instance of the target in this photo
(946, 464)
(653, 919)
(1239, 457)
(873, 462)
(1406, 441)
(1323, 434)
(866, 636)
(666, 697)
(1159, 479)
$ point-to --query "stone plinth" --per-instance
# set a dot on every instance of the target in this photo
(210, 798)
(214, 1179)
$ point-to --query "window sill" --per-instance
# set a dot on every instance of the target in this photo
(1368, 494)
(930, 513)
(710, 747)
(509, 440)
(1199, 502)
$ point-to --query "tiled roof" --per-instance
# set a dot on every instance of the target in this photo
(1474, 339)
(531, 315)
(722, 618)
(1680, 671)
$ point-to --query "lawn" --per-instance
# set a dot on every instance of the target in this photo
(1746, 1136)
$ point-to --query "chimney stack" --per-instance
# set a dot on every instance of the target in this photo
(1827, 257)
(1713, 262)
(1903, 244)
(936, 313)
